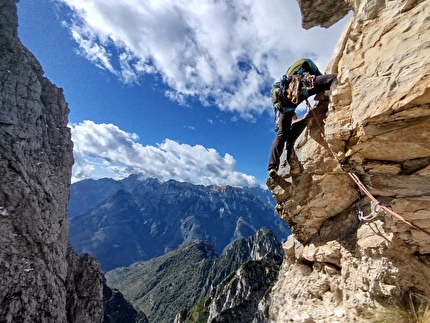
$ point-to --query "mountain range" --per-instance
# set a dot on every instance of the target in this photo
(170, 285)
(135, 219)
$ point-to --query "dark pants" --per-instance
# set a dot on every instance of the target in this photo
(321, 83)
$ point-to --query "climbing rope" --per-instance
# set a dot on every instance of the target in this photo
(378, 207)
(311, 108)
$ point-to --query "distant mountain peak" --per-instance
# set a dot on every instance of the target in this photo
(120, 222)
(177, 279)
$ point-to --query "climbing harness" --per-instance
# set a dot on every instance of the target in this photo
(307, 82)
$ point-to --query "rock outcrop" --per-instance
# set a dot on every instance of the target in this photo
(40, 280)
(178, 283)
(377, 126)
(118, 309)
(245, 295)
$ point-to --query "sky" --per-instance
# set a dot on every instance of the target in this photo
(172, 89)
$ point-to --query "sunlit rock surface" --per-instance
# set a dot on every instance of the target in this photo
(376, 125)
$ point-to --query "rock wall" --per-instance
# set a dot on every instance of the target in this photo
(377, 126)
(40, 281)
(241, 297)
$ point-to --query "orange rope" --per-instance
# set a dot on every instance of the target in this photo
(364, 189)
(310, 108)
(386, 209)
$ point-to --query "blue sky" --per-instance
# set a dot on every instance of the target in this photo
(171, 88)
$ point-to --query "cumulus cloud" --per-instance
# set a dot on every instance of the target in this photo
(115, 153)
(222, 52)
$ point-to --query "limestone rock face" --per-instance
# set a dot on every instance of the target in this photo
(242, 296)
(377, 126)
(322, 13)
(35, 169)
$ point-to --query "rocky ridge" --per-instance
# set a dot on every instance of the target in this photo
(170, 284)
(117, 309)
(138, 218)
(41, 280)
(244, 296)
(377, 126)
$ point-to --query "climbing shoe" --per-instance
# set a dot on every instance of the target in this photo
(273, 172)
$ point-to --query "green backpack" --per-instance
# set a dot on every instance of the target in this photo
(298, 79)
(303, 65)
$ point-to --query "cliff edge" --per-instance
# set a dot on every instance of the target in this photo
(41, 280)
(375, 126)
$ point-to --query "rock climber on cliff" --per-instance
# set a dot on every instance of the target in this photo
(302, 80)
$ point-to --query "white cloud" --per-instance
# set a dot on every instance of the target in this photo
(227, 52)
(104, 150)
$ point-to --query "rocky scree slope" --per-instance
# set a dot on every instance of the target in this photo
(377, 126)
(41, 280)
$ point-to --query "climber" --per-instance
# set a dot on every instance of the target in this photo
(302, 80)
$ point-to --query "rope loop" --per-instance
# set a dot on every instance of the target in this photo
(378, 207)
(376, 210)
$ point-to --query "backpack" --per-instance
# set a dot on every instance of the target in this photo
(290, 88)
(303, 65)
(277, 96)
(298, 80)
